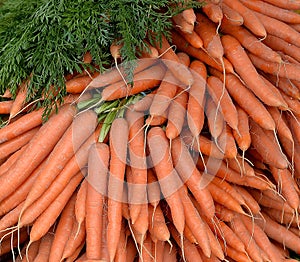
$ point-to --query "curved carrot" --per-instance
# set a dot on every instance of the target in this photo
(118, 147)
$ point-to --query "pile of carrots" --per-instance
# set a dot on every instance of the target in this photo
(204, 165)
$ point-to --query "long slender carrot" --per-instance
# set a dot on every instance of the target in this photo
(195, 106)
(80, 203)
(62, 231)
(16, 143)
(243, 66)
(122, 245)
(77, 84)
(249, 200)
(147, 79)
(227, 143)
(97, 173)
(153, 189)
(251, 21)
(190, 175)
(166, 174)
(19, 100)
(254, 108)
(286, 4)
(136, 147)
(81, 128)
(118, 147)
(38, 148)
(5, 107)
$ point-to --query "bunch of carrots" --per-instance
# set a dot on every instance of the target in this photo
(196, 159)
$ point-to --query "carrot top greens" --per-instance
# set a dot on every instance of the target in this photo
(43, 40)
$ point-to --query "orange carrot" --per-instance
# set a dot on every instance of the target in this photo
(44, 247)
(166, 174)
(189, 15)
(19, 100)
(16, 143)
(192, 38)
(21, 125)
(5, 106)
(122, 246)
(10, 161)
(190, 175)
(250, 42)
(221, 97)
(207, 30)
(243, 66)
(182, 24)
(148, 51)
(77, 84)
(32, 252)
(195, 106)
(38, 148)
(231, 15)
(286, 4)
(118, 147)
(62, 231)
(81, 128)
(200, 54)
(227, 143)
(153, 189)
(147, 79)
(80, 203)
(249, 200)
(136, 148)
(145, 103)
(251, 21)
(214, 12)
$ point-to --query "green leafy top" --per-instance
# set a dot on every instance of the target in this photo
(45, 39)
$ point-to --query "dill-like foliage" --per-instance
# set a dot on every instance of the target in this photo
(43, 40)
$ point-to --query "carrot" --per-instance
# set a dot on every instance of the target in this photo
(293, 104)
(189, 15)
(76, 253)
(148, 51)
(214, 12)
(190, 251)
(136, 147)
(190, 175)
(166, 174)
(242, 136)
(32, 252)
(270, 10)
(207, 30)
(38, 148)
(21, 125)
(11, 146)
(240, 165)
(253, 107)
(250, 42)
(62, 232)
(195, 105)
(7, 245)
(235, 254)
(192, 38)
(7, 94)
(19, 100)
(157, 224)
(279, 233)
(141, 224)
(284, 180)
(20, 194)
(75, 241)
(266, 147)
(249, 200)
(221, 97)
(113, 76)
(10, 218)
(243, 66)
(147, 79)
(286, 4)
(5, 106)
(188, 234)
(44, 247)
(81, 128)
(122, 246)
(42, 224)
(195, 222)
(251, 21)
(226, 142)
(224, 213)
(231, 15)
(80, 203)
(153, 189)
(201, 55)
(94, 199)
(176, 114)
(78, 84)
(145, 103)
(240, 229)
(118, 147)
(182, 24)
(215, 119)
(171, 60)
